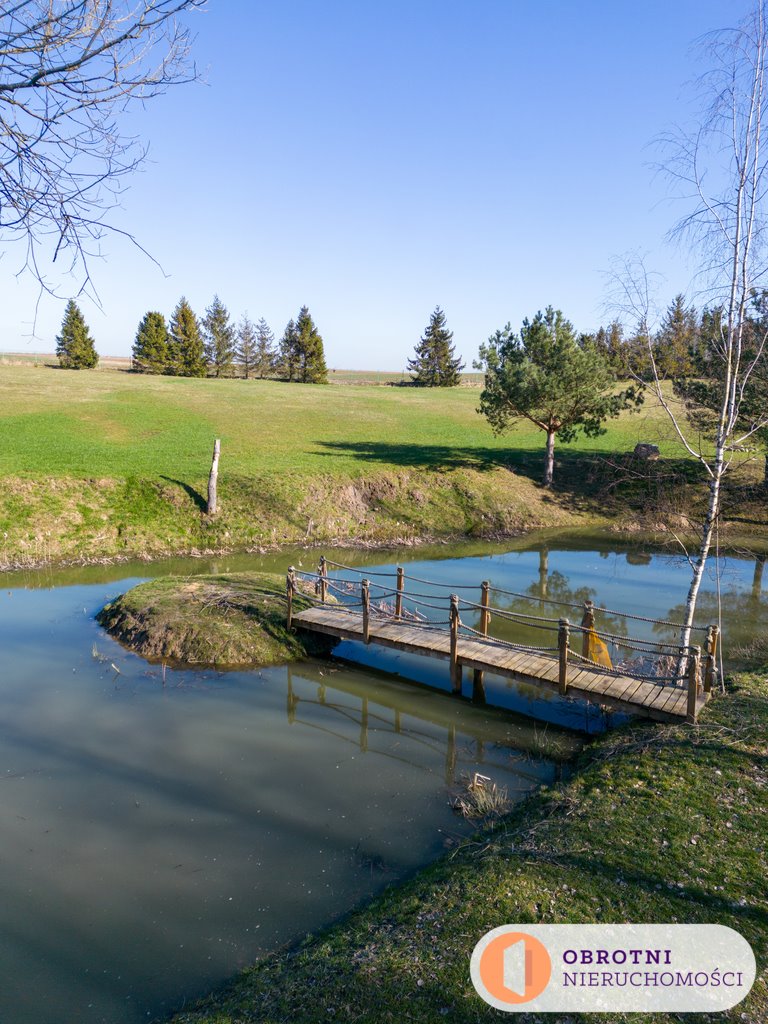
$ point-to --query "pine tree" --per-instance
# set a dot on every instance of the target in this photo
(150, 349)
(311, 368)
(677, 341)
(434, 364)
(246, 346)
(186, 355)
(74, 346)
(547, 375)
(220, 338)
(264, 363)
(288, 355)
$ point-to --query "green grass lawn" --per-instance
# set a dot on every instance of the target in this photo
(80, 423)
(659, 824)
(104, 463)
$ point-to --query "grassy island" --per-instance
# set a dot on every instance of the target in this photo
(231, 620)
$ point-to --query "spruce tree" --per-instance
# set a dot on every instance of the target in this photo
(288, 355)
(150, 349)
(74, 346)
(186, 355)
(220, 338)
(434, 364)
(246, 346)
(677, 341)
(311, 367)
(264, 365)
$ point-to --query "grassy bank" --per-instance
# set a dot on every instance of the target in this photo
(108, 464)
(229, 620)
(659, 824)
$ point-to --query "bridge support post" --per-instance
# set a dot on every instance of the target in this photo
(290, 587)
(478, 677)
(399, 593)
(694, 665)
(366, 589)
(323, 573)
(563, 642)
(713, 634)
(455, 666)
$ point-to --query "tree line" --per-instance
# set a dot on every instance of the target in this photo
(188, 346)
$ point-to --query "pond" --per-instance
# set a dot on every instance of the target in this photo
(158, 832)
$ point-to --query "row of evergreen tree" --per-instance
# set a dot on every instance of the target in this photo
(188, 347)
(682, 347)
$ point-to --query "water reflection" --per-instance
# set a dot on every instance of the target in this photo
(157, 834)
(157, 837)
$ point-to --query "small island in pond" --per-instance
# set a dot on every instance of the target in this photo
(233, 620)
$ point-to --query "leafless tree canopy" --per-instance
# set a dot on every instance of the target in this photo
(720, 168)
(68, 68)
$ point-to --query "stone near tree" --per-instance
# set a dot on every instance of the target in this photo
(647, 451)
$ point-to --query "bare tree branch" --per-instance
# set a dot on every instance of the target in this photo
(68, 69)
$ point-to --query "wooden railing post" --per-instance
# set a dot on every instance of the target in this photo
(366, 589)
(478, 682)
(713, 634)
(290, 587)
(485, 604)
(694, 663)
(587, 622)
(323, 579)
(563, 641)
(399, 594)
(455, 666)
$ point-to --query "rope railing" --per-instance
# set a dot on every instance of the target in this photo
(399, 604)
(625, 670)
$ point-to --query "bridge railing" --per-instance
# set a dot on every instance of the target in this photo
(394, 597)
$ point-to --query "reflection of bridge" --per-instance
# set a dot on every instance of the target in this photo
(474, 737)
(663, 681)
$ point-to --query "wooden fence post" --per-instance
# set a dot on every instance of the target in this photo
(478, 678)
(694, 662)
(290, 587)
(563, 640)
(711, 667)
(213, 479)
(455, 666)
(399, 594)
(366, 589)
(323, 579)
(587, 622)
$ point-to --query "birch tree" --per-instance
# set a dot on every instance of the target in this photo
(720, 167)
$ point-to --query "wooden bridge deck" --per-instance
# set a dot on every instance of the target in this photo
(624, 693)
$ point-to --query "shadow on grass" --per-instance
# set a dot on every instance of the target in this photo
(196, 496)
(578, 474)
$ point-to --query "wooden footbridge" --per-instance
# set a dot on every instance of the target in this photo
(663, 681)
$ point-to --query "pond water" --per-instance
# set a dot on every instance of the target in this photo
(157, 834)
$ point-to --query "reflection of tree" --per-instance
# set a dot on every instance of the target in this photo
(757, 578)
(745, 612)
(551, 597)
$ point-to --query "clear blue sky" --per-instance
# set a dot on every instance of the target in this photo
(373, 161)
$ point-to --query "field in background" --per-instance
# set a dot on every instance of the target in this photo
(84, 423)
(373, 377)
(96, 464)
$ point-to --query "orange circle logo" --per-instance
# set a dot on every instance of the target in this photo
(509, 967)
